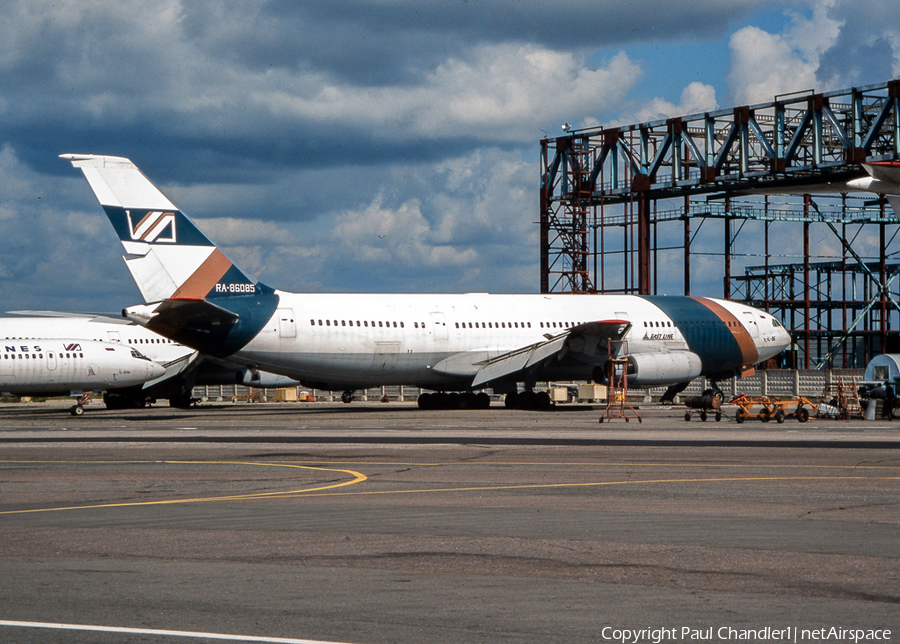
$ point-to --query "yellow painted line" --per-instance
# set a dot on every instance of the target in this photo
(357, 478)
(500, 464)
(597, 463)
(534, 486)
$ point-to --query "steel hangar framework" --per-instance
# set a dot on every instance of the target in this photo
(745, 203)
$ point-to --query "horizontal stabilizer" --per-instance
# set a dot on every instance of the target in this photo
(199, 324)
(886, 172)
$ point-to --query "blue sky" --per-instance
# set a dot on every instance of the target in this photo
(387, 146)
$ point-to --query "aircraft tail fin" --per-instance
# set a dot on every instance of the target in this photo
(885, 180)
(168, 256)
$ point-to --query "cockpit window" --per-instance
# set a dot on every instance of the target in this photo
(776, 323)
(137, 354)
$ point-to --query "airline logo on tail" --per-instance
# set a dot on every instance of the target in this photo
(152, 226)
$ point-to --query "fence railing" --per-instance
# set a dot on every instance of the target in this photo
(771, 382)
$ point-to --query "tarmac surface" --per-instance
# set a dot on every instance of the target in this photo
(374, 523)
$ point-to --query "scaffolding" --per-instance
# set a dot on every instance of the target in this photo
(703, 204)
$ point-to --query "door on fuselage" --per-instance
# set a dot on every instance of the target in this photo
(752, 326)
(439, 323)
(287, 325)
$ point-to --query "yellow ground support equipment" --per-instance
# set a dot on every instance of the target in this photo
(766, 408)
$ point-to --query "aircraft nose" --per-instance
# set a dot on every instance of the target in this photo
(784, 338)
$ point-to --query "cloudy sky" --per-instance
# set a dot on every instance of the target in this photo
(351, 145)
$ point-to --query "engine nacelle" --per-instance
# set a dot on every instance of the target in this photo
(655, 369)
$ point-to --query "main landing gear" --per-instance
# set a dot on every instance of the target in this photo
(453, 400)
(539, 400)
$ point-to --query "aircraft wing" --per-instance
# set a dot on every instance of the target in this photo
(590, 338)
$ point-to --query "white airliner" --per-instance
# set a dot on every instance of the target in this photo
(444, 343)
(64, 367)
(184, 367)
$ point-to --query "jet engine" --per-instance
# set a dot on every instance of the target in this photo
(655, 369)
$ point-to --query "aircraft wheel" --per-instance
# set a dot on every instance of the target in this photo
(482, 401)
(347, 397)
(542, 400)
(511, 400)
(468, 400)
(525, 400)
(76, 410)
(424, 401)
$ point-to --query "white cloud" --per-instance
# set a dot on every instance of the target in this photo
(867, 48)
(494, 92)
(764, 64)
(695, 98)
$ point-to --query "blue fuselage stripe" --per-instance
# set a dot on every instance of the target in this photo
(706, 333)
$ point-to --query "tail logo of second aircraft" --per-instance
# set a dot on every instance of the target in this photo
(153, 226)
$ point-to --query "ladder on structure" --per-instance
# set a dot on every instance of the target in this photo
(617, 405)
(846, 397)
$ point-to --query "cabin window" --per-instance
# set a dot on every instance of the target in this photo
(402, 326)
(380, 325)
